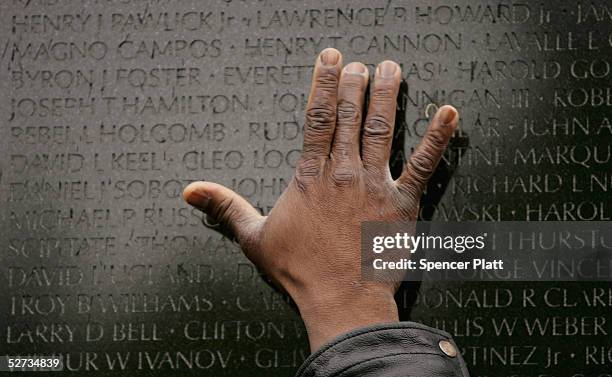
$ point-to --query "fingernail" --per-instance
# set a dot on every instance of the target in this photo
(355, 68)
(387, 69)
(447, 114)
(198, 200)
(330, 56)
(210, 221)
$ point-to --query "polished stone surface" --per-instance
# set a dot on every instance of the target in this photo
(111, 107)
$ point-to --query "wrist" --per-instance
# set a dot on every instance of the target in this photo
(327, 315)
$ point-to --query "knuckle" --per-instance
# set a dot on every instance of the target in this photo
(348, 112)
(422, 164)
(302, 182)
(343, 176)
(320, 117)
(378, 127)
(306, 171)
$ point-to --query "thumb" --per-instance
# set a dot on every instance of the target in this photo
(231, 210)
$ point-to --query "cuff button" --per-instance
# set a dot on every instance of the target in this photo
(448, 348)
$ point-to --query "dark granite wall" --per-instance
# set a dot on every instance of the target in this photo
(110, 107)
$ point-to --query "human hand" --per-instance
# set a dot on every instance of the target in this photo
(309, 244)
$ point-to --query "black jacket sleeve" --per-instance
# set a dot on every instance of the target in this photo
(388, 350)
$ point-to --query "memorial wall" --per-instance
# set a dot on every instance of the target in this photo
(111, 107)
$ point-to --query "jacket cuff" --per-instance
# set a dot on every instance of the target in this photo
(404, 346)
